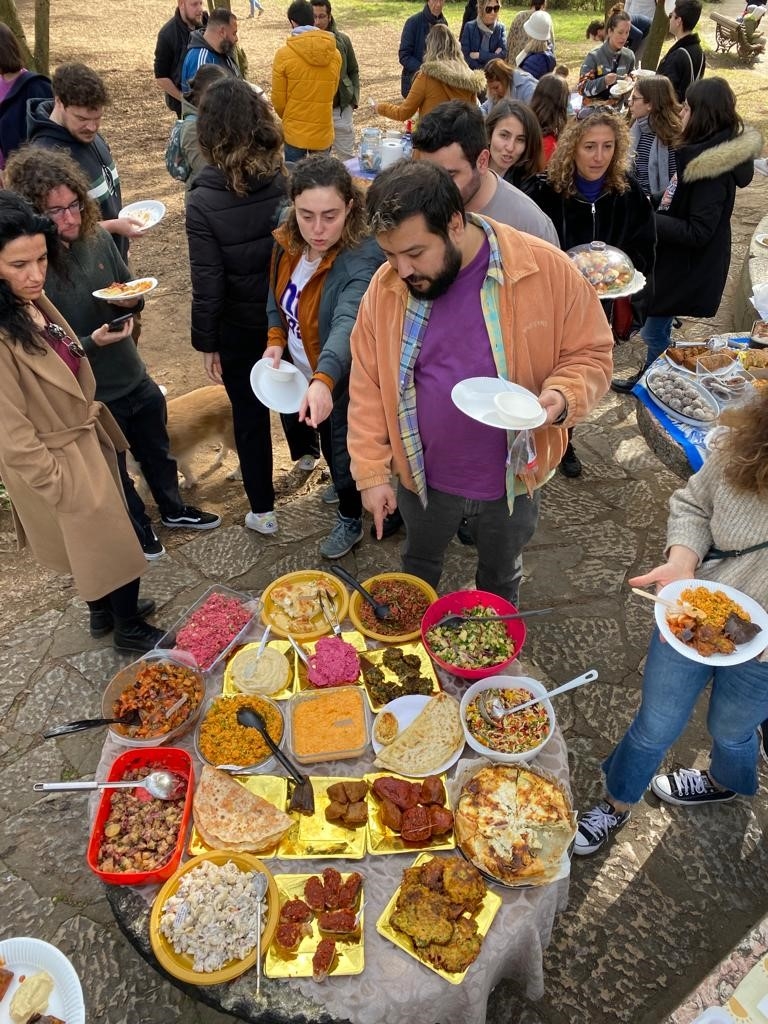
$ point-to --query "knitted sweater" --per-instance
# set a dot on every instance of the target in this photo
(708, 512)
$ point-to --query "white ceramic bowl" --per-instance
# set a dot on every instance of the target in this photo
(536, 688)
(516, 408)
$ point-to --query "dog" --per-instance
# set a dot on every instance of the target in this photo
(202, 416)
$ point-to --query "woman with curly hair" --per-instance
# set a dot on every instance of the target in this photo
(655, 130)
(590, 195)
(444, 75)
(693, 221)
(203, 78)
(549, 105)
(514, 139)
(323, 261)
(232, 209)
(717, 530)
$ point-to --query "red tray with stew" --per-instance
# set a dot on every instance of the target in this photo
(408, 598)
(111, 854)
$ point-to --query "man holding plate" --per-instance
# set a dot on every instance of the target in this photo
(466, 298)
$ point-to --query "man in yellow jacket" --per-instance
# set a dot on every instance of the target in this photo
(462, 296)
(305, 77)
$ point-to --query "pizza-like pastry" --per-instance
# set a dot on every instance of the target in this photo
(296, 606)
(514, 823)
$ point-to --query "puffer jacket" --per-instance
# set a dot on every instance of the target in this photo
(305, 77)
(437, 82)
(230, 246)
(488, 45)
(694, 249)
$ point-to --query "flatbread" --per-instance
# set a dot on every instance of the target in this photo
(429, 741)
(228, 816)
(514, 823)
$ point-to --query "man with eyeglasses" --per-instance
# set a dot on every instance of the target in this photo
(71, 121)
(684, 63)
(484, 38)
(414, 39)
(53, 183)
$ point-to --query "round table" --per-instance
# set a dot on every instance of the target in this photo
(664, 447)
(394, 988)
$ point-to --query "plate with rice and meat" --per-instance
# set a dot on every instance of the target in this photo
(712, 623)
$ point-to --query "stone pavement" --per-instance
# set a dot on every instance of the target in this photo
(646, 921)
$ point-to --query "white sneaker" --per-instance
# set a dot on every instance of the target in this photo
(261, 522)
(307, 463)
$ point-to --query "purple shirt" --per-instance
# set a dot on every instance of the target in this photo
(461, 456)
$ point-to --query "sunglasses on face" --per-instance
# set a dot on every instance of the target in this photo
(586, 112)
(493, 10)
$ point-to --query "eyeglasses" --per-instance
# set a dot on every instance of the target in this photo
(57, 212)
(586, 112)
(493, 10)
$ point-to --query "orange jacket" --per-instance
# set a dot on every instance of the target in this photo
(305, 77)
(555, 335)
(436, 82)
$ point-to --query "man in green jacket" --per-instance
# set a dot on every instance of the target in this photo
(347, 96)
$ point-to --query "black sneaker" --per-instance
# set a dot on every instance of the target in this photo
(151, 545)
(135, 636)
(689, 787)
(624, 387)
(102, 621)
(570, 464)
(762, 732)
(597, 826)
(191, 518)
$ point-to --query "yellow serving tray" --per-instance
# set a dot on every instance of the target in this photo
(381, 840)
(284, 646)
(271, 788)
(357, 640)
(426, 668)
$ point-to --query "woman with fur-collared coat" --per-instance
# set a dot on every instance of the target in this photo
(443, 76)
(57, 445)
(693, 221)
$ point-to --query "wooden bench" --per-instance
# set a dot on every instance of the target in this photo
(729, 33)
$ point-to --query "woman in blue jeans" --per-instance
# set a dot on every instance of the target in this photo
(717, 530)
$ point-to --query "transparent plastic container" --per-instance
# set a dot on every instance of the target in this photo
(369, 153)
(258, 703)
(252, 605)
(327, 707)
(609, 270)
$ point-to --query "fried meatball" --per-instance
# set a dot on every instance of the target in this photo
(463, 883)
(460, 952)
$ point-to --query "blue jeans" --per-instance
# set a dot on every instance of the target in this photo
(293, 154)
(656, 333)
(671, 686)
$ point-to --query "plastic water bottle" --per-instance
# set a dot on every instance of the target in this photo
(408, 140)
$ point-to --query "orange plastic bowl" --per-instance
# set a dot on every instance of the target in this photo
(458, 603)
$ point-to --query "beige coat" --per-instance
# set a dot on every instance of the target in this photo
(58, 463)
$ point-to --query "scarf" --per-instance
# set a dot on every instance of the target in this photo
(485, 29)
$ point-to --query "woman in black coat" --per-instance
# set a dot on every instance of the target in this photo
(590, 195)
(693, 222)
(232, 209)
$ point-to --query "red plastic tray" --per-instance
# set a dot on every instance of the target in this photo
(174, 760)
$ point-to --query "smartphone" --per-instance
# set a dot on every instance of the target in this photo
(117, 324)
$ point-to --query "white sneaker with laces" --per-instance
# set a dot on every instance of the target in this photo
(261, 522)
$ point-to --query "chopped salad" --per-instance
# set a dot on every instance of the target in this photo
(515, 733)
(473, 644)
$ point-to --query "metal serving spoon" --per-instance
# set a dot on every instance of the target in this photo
(260, 883)
(494, 712)
(453, 621)
(381, 611)
(161, 784)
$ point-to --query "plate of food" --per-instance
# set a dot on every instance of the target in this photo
(291, 603)
(213, 626)
(320, 926)
(473, 650)
(333, 661)
(36, 977)
(515, 824)
(148, 211)
(762, 240)
(609, 270)
(392, 672)
(126, 289)
(338, 826)
(221, 739)
(681, 397)
(203, 922)
(405, 816)
(408, 598)
(716, 624)
(243, 813)
(621, 87)
(271, 674)
(693, 359)
(421, 917)
(418, 736)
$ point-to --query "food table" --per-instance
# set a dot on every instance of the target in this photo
(394, 987)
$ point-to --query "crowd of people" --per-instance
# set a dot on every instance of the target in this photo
(365, 294)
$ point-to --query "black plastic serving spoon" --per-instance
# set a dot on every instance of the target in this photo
(130, 718)
(303, 796)
(381, 611)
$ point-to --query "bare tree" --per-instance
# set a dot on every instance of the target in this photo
(10, 16)
(655, 40)
(43, 36)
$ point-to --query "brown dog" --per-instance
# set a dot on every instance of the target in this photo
(201, 417)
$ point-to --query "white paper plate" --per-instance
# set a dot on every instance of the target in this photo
(25, 956)
(762, 240)
(743, 652)
(148, 284)
(150, 211)
(714, 1015)
(643, 73)
(622, 87)
(405, 709)
(282, 396)
(474, 397)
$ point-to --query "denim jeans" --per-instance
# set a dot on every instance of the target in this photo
(672, 684)
(293, 154)
(499, 536)
(656, 333)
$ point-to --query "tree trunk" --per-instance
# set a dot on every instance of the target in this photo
(655, 39)
(42, 36)
(10, 16)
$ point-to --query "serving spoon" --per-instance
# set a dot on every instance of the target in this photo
(494, 712)
(453, 621)
(260, 883)
(303, 796)
(162, 784)
(130, 718)
(380, 610)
